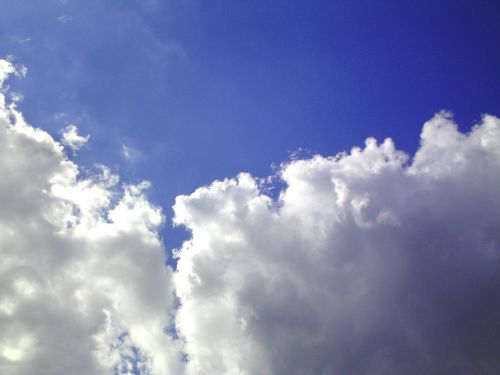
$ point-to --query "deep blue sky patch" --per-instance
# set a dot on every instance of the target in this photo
(199, 90)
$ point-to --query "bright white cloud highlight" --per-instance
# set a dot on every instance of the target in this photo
(368, 263)
(6, 68)
(83, 286)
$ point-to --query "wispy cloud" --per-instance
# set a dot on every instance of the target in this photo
(130, 154)
(24, 40)
(64, 19)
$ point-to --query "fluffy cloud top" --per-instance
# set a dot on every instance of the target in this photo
(83, 286)
(368, 263)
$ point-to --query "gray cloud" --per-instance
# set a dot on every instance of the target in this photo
(368, 263)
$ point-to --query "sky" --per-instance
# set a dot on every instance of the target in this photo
(204, 90)
(305, 242)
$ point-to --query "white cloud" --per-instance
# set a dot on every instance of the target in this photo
(83, 286)
(7, 67)
(367, 264)
(72, 139)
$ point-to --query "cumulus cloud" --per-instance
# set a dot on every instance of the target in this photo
(83, 286)
(72, 139)
(368, 263)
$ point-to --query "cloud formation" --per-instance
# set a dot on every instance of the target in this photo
(368, 263)
(83, 286)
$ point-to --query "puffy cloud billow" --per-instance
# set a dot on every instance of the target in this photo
(368, 262)
(83, 286)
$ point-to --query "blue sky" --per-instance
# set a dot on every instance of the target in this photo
(203, 90)
(374, 262)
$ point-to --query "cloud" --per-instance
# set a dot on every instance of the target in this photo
(72, 139)
(6, 68)
(64, 19)
(368, 263)
(83, 286)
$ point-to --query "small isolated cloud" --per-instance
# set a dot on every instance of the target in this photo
(24, 40)
(83, 286)
(21, 71)
(367, 263)
(59, 116)
(71, 138)
(64, 19)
